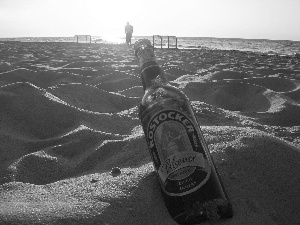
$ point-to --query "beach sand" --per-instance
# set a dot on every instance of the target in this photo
(72, 150)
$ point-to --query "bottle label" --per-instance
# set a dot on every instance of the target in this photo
(177, 152)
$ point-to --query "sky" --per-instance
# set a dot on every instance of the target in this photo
(250, 19)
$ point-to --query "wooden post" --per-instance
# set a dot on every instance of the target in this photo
(153, 40)
(160, 41)
(82, 36)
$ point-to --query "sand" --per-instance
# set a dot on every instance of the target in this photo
(72, 150)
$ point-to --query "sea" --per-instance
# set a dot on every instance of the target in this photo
(265, 46)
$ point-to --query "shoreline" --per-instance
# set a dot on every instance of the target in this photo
(201, 48)
(263, 46)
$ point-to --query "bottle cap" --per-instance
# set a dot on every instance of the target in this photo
(143, 50)
(141, 43)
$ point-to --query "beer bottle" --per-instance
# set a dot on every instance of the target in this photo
(190, 184)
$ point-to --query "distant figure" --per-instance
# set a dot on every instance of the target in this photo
(128, 31)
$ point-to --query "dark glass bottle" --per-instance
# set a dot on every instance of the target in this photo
(189, 180)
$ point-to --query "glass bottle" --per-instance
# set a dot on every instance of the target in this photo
(190, 183)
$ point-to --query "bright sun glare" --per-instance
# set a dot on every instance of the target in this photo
(109, 17)
(201, 18)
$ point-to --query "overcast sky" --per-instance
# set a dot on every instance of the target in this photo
(254, 19)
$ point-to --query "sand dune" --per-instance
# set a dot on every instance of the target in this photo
(228, 74)
(33, 112)
(118, 84)
(94, 99)
(295, 95)
(42, 79)
(246, 161)
(229, 95)
(136, 91)
(275, 83)
(73, 151)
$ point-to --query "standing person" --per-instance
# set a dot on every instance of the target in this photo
(128, 31)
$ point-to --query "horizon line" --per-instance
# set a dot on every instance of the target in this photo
(120, 36)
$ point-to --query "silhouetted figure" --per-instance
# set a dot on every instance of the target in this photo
(128, 31)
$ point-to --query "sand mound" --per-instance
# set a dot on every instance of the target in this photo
(295, 95)
(36, 168)
(91, 98)
(87, 64)
(256, 160)
(86, 72)
(117, 76)
(274, 83)
(75, 154)
(209, 115)
(42, 79)
(119, 84)
(17, 75)
(272, 108)
(246, 161)
(5, 66)
(173, 72)
(3, 83)
(228, 74)
(136, 91)
(33, 112)
(232, 96)
(273, 71)
(287, 115)
(70, 201)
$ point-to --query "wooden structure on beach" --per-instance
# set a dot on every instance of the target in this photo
(161, 40)
(86, 37)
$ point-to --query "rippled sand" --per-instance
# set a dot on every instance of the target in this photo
(68, 116)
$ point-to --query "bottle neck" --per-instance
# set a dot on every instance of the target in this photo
(152, 75)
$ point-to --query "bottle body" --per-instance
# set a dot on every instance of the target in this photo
(189, 181)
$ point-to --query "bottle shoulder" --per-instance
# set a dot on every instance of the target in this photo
(161, 98)
(162, 93)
